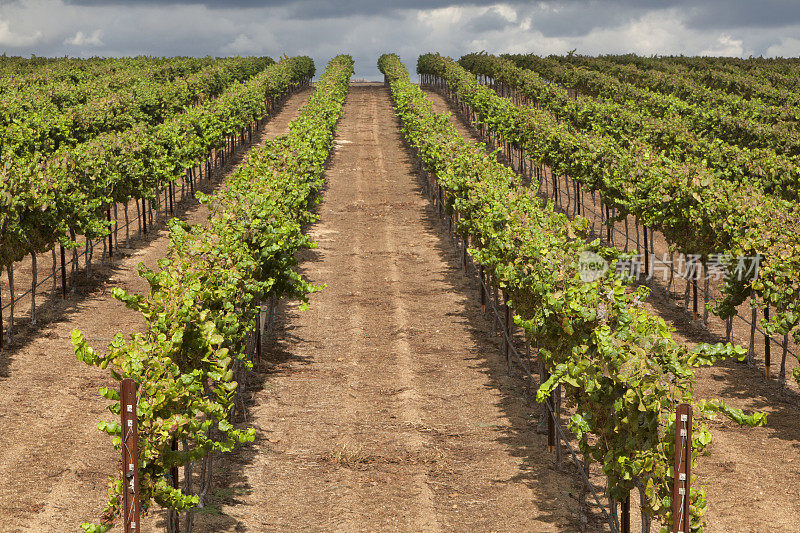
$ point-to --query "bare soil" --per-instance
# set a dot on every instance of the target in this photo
(386, 406)
(54, 463)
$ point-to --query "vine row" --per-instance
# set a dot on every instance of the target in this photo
(620, 368)
(719, 122)
(204, 300)
(697, 212)
(669, 133)
(70, 195)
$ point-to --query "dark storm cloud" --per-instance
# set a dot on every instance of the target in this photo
(571, 19)
(704, 14)
(742, 13)
(492, 20)
(567, 18)
(303, 9)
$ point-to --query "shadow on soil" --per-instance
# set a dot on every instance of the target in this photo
(737, 382)
(539, 467)
(230, 483)
(558, 487)
(277, 358)
(54, 309)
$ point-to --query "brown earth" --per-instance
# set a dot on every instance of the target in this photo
(751, 477)
(54, 463)
(386, 406)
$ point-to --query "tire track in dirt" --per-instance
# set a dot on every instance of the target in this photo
(54, 463)
(386, 405)
(411, 413)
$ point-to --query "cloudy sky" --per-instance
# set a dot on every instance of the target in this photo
(366, 28)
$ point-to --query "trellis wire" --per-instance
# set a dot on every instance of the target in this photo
(707, 297)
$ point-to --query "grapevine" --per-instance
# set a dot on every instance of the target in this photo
(202, 302)
(619, 366)
(697, 212)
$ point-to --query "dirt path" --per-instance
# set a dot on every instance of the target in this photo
(386, 406)
(752, 475)
(54, 463)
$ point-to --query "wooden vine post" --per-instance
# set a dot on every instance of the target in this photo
(130, 457)
(483, 289)
(505, 309)
(549, 405)
(63, 272)
(173, 518)
(625, 515)
(258, 333)
(767, 347)
(683, 469)
(110, 236)
(1, 322)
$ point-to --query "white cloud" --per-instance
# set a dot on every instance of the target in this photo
(11, 38)
(441, 19)
(659, 32)
(726, 46)
(508, 12)
(80, 39)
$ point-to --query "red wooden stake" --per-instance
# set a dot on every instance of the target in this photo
(130, 457)
(683, 469)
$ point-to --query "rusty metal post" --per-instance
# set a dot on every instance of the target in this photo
(130, 457)
(683, 469)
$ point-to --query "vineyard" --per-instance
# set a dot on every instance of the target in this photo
(517, 293)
